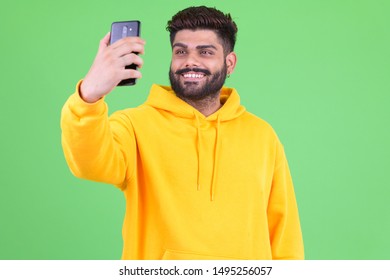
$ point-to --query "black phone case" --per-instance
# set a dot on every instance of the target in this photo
(123, 29)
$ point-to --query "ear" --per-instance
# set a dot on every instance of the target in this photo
(231, 60)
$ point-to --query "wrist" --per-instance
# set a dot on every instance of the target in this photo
(86, 93)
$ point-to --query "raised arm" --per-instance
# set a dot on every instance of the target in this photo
(97, 147)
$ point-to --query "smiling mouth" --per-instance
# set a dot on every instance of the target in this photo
(193, 75)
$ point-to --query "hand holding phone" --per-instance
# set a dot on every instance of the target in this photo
(121, 30)
(109, 67)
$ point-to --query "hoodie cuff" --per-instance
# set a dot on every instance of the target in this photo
(81, 108)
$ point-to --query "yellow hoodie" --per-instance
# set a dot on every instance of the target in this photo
(196, 187)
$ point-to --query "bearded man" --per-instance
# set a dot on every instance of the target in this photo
(202, 177)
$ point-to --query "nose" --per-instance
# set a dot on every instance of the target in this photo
(192, 61)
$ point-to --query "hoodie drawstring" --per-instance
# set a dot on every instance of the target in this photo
(198, 148)
(216, 155)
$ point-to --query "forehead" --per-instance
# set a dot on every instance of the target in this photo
(193, 38)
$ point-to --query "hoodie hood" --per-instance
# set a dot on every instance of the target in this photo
(164, 98)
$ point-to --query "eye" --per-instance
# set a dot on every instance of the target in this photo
(206, 52)
(180, 52)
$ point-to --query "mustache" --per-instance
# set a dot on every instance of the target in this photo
(186, 70)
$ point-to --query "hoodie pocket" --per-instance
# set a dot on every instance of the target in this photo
(181, 255)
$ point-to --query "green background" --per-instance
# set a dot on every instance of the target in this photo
(318, 71)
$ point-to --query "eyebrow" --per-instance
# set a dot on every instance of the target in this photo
(181, 45)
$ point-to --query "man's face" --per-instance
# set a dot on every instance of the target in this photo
(198, 67)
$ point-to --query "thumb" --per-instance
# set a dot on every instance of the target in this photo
(104, 42)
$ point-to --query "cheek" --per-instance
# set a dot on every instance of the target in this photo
(216, 66)
(175, 64)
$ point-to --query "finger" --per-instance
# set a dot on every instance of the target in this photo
(137, 40)
(130, 74)
(126, 40)
(132, 59)
(127, 48)
(104, 42)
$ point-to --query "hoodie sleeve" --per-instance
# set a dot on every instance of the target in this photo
(283, 217)
(95, 146)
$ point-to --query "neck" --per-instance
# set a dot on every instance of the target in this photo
(207, 106)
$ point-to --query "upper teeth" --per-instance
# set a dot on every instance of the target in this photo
(193, 75)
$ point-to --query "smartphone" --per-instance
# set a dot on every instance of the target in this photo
(123, 29)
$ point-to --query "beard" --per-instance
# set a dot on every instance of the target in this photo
(195, 91)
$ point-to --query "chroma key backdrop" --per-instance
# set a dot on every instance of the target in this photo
(317, 71)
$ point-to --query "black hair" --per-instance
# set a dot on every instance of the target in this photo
(203, 17)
